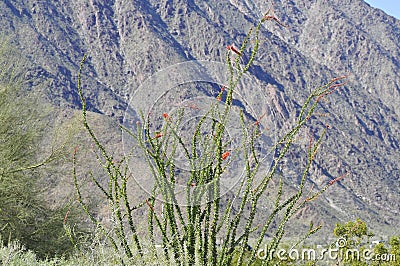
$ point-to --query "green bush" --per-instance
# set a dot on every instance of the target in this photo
(24, 213)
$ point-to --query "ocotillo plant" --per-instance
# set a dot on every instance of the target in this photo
(189, 231)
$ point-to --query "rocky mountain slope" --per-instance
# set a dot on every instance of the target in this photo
(128, 41)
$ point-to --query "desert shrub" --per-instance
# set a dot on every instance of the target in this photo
(25, 215)
(189, 230)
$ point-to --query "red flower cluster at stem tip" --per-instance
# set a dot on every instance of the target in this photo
(158, 135)
(75, 151)
(333, 181)
(225, 155)
(233, 49)
(269, 17)
(66, 217)
(150, 206)
(259, 119)
(273, 17)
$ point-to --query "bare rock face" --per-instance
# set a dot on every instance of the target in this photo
(128, 41)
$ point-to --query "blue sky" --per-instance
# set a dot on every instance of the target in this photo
(391, 7)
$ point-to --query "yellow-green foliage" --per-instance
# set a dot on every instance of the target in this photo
(24, 213)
